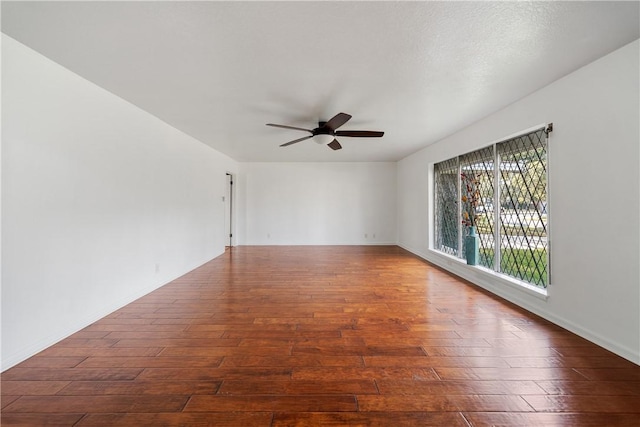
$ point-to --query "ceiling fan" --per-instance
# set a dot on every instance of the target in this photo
(327, 132)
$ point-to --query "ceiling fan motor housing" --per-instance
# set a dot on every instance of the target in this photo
(325, 133)
(322, 129)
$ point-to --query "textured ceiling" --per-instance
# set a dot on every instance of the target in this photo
(219, 71)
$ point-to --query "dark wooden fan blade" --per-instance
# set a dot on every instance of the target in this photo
(360, 133)
(335, 145)
(336, 121)
(296, 140)
(288, 127)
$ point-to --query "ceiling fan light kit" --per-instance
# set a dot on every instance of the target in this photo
(324, 139)
(326, 132)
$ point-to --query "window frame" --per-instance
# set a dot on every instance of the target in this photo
(498, 215)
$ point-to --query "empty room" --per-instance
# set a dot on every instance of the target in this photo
(315, 213)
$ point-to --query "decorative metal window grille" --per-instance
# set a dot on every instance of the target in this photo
(446, 193)
(518, 246)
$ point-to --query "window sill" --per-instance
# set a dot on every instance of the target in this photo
(483, 276)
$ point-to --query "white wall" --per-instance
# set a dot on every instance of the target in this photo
(317, 203)
(101, 202)
(594, 199)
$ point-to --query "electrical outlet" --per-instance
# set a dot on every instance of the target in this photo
(366, 236)
(157, 268)
(374, 235)
(268, 235)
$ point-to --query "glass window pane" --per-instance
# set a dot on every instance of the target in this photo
(477, 184)
(523, 208)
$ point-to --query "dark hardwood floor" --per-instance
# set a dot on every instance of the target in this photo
(291, 336)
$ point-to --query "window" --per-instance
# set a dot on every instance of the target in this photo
(510, 208)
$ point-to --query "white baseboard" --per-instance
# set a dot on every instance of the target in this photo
(364, 243)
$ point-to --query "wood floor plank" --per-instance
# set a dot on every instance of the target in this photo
(298, 387)
(91, 334)
(258, 403)
(558, 342)
(387, 331)
(189, 352)
(443, 403)
(82, 404)
(178, 335)
(139, 387)
(298, 360)
(250, 328)
(524, 351)
(332, 335)
(394, 350)
(51, 362)
(71, 374)
(514, 419)
(610, 374)
(34, 388)
(360, 373)
(564, 403)
(56, 351)
(7, 399)
(533, 374)
(150, 362)
(322, 342)
(203, 374)
(369, 419)
(260, 333)
(44, 420)
(169, 342)
(86, 342)
(463, 331)
(115, 320)
(585, 351)
(411, 387)
(427, 342)
(599, 388)
(567, 362)
(181, 419)
(435, 361)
